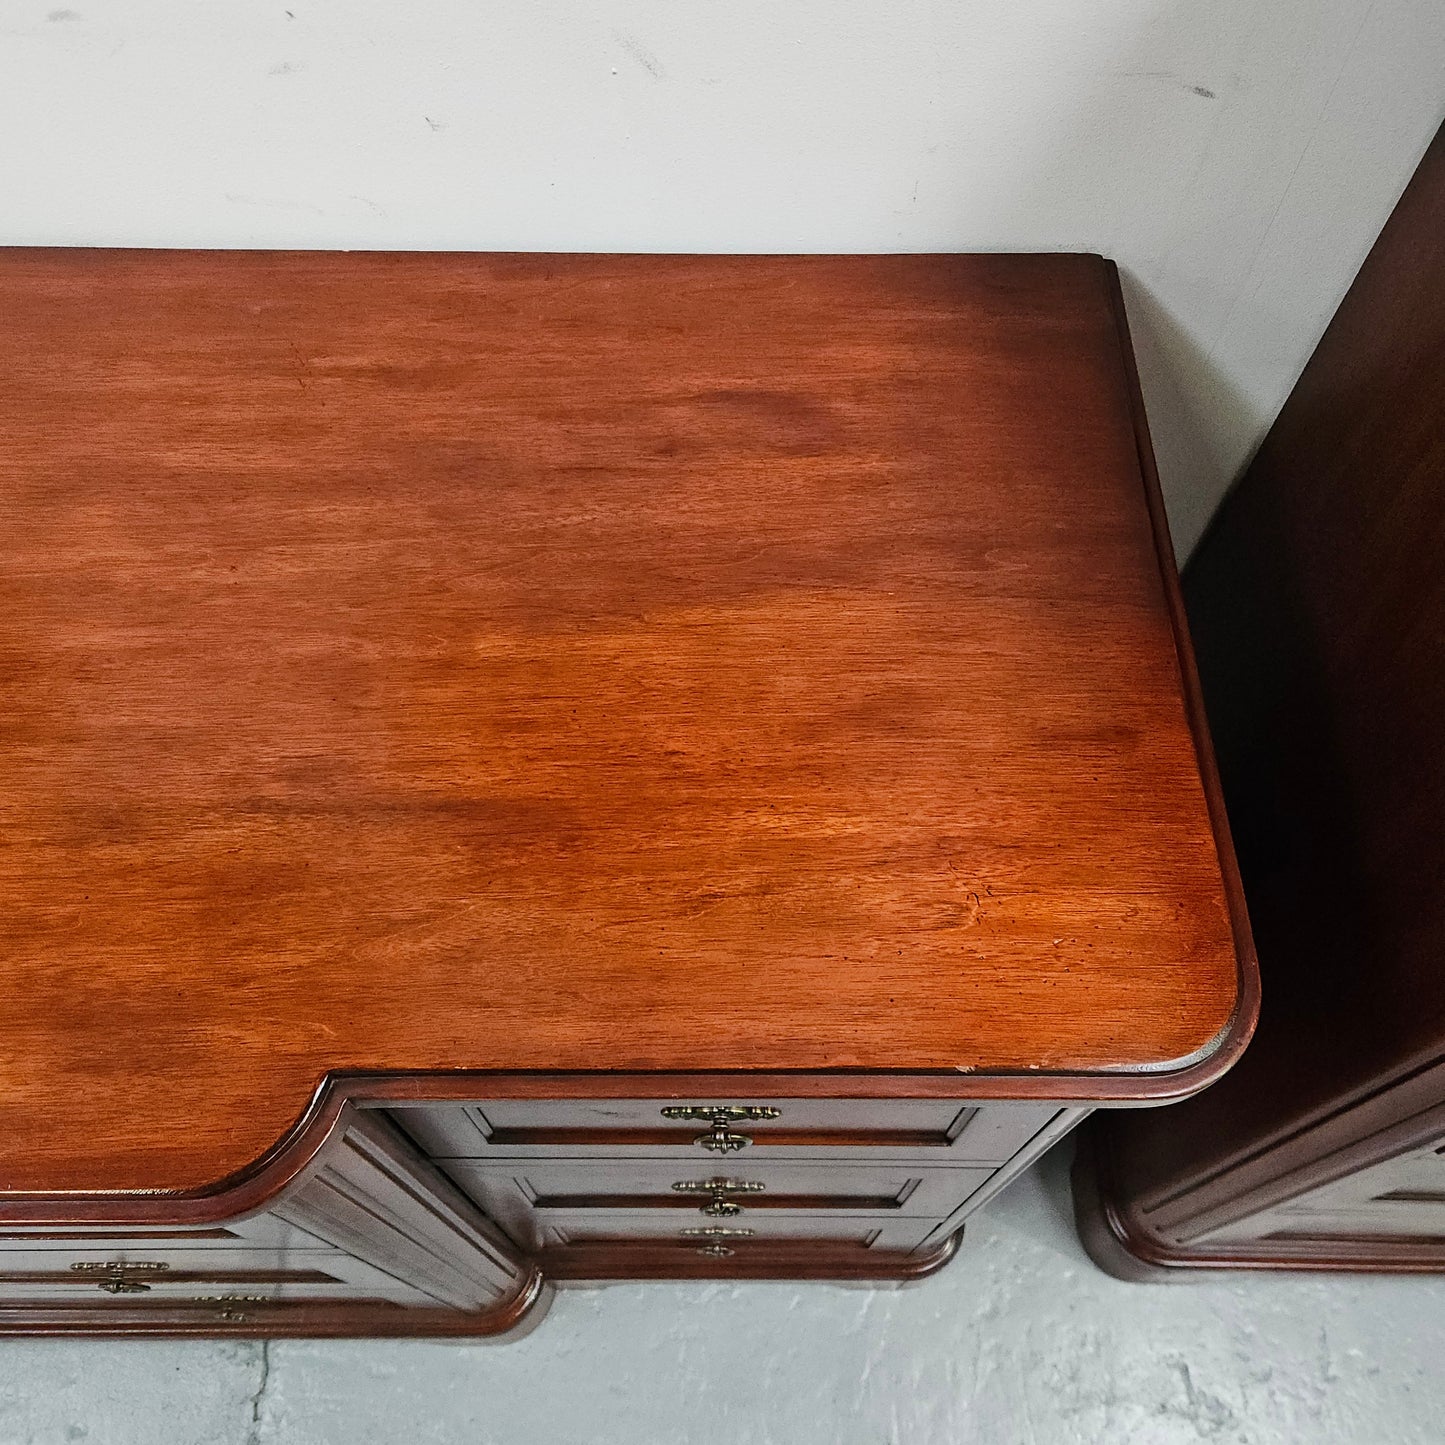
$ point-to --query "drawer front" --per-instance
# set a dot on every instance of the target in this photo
(729, 1239)
(262, 1231)
(1403, 1221)
(520, 1192)
(524, 1195)
(140, 1272)
(222, 1291)
(1416, 1179)
(1399, 1198)
(922, 1129)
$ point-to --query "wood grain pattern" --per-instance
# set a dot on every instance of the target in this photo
(579, 663)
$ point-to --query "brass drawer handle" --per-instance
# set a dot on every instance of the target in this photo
(720, 1139)
(120, 1266)
(228, 1302)
(719, 1206)
(123, 1286)
(715, 1248)
(119, 1274)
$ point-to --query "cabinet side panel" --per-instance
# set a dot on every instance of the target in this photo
(370, 1194)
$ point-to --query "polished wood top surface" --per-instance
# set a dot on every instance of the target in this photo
(577, 663)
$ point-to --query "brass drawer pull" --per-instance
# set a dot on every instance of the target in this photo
(720, 1139)
(120, 1266)
(228, 1302)
(719, 1206)
(728, 1113)
(119, 1274)
(715, 1248)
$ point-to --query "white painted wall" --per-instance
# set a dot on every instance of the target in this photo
(1236, 156)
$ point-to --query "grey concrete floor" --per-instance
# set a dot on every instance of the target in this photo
(1020, 1339)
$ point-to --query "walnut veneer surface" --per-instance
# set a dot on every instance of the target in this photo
(748, 665)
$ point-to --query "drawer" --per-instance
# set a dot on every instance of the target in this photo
(1404, 1198)
(187, 1288)
(1416, 1179)
(1390, 1222)
(1404, 1221)
(1398, 1199)
(140, 1272)
(262, 1231)
(730, 1238)
(944, 1131)
(522, 1196)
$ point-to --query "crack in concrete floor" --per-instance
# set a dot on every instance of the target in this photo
(253, 1435)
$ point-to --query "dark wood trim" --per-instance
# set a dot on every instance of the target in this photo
(1138, 1087)
(1235, 1038)
(193, 1274)
(84, 1236)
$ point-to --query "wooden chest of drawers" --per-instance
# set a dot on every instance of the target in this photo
(626, 1187)
(530, 768)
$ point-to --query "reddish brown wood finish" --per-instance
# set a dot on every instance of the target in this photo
(1318, 604)
(760, 666)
